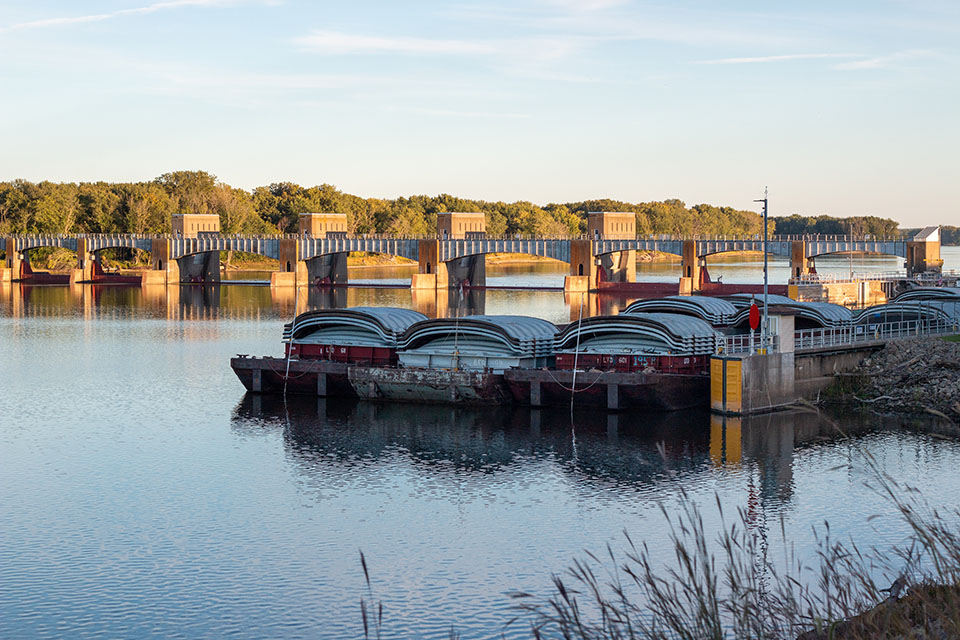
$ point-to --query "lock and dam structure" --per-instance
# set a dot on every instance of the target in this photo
(603, 259)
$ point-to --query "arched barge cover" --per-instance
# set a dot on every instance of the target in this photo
(648, 333)
(521, 335)
(928, 293)
(943, 310)
(479, 343)
(824, 314)
(376, 326)
(716, 311)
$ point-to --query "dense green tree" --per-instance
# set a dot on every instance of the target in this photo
(829, 225)
(189, 190)
(146, 207)
(54, 208)
(99, 208)
(13, 207)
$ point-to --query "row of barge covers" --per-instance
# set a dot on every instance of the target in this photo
(690, 327)
(734, 310)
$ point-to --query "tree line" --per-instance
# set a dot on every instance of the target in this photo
(146, 207)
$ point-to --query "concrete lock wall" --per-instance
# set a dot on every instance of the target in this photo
(13, 260)
(745, 383)
(163, 269)
(798, 259)
(293, 270)
(689, 268)
(751, 384)
(923, 256)
(817, 371)
(431, 273)
(583, 267)
(864, 293)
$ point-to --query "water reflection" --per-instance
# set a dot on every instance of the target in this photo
(596, 445)
(251, 302)
(648, 449)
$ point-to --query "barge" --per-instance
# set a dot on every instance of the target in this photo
(658, 361)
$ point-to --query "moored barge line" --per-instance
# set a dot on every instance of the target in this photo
(654, 361)
(614, 390)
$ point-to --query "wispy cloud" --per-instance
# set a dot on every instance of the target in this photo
(533, 48)
(453, 113)
(100, 17)
(585, 5)
(885, 62)
(335, 42)
(781, 58)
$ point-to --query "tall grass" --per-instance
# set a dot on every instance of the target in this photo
(724, 585)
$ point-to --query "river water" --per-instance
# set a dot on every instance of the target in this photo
(144, 494)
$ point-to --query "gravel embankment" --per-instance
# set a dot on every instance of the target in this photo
(913, 375)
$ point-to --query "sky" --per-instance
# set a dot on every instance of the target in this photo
(840, 107)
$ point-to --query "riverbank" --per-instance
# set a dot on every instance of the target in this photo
(927, 611)
(910, 376)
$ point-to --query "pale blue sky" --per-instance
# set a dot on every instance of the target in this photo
(845, 108)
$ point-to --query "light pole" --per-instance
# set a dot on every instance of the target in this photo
(763, 328)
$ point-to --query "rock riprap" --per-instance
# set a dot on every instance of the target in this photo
(912, 375)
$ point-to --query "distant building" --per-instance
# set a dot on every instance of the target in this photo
(190, 225)
(455, 224)
(927, 234)
(614, 225)
(318, 225)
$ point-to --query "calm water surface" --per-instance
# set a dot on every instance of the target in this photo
(144, 494)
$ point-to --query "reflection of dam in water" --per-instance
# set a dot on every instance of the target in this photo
(209, 302)
(682, 448)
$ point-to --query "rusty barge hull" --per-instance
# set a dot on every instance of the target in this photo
(310, 377)
(535, 387)
(430, 386)
(610, 389)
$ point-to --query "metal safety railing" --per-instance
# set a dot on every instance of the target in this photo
(857, 334)
(806, 339)
(855, 277)
(748, 343)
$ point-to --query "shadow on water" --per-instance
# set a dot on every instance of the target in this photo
(670, 448)
(486, 440)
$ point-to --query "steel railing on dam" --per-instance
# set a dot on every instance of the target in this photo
(839, 337)
(807, 339)
(451, 248)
